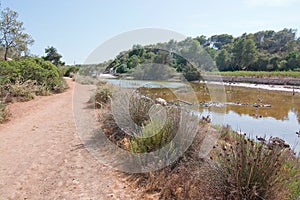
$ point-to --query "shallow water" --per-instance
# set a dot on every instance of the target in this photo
(253, 111)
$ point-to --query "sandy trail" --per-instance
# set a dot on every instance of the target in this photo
(41, 156)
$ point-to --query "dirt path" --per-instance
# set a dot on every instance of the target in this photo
(41, 156)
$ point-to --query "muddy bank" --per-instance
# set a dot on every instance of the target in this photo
(254, 79)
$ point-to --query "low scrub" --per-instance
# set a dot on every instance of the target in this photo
(68, 71)
(256, 169)
(103, 95)
(4, 113)
(21, 80)
(22, 91)
(155, 133)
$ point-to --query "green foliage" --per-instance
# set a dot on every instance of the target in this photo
(23, 79)
(201, 39)
(153, 136)
(222, 60)
(53, 56)
(294, 185)
(261, 51)
(191, 74)
(293, 60)
(219, 41)
(12, 38)
(155, 63)
(153, 72)
(244, 53)
(68, 71)
(122, 68)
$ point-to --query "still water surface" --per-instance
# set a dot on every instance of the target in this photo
(253, 111)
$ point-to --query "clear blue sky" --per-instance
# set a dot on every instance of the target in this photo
(77, 27)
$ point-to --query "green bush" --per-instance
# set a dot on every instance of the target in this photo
(69, 71)
(9, 72)
(35, 69)
(30, 76)
(157, 132)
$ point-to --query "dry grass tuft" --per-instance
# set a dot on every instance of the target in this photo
(4, 112)
(255, 170)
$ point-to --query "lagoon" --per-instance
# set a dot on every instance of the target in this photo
(255, 111)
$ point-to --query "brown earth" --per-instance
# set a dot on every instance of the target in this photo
(41, 156)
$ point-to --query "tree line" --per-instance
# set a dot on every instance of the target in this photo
(262, 51)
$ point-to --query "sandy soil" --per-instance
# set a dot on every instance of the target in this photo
(41, 156)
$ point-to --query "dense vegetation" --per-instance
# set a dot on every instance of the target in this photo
(23, 76)
(160, 63)
(39, 74)
(261, 51)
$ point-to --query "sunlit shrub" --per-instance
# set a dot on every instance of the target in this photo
(23, 79)
(22, 91)
(156, 132)
(103, 95)
(255, 170)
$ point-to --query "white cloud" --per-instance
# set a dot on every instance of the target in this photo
(269, 2)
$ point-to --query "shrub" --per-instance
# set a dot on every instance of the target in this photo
(43, 72)
(4, 113)
(69, 71)
(189, 177)
(103, 95)
(255, 170)
(23, 79)
(22, 91)
(157, 132)
(139, 110)
(60, 86)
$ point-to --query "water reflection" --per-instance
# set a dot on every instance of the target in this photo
(244, 110)
(266, 126)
